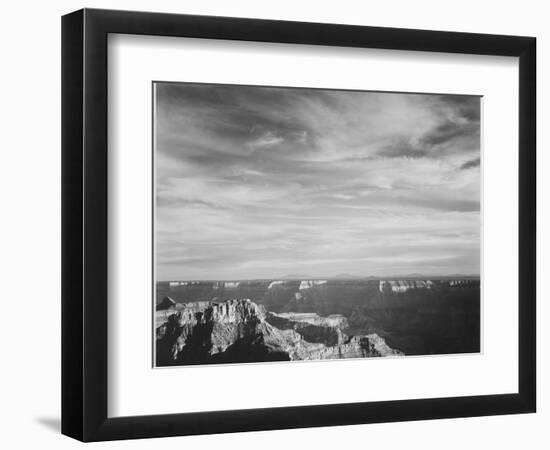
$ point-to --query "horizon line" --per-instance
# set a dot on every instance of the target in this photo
(333, 277)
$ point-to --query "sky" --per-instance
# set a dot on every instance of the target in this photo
(265, 182)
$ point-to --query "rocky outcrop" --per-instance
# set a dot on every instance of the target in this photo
(400, 286)
(463, 283)
(334, 320)
(312, 327)
(174, 284)
(166, 303)
(241, 331)
(307, 284)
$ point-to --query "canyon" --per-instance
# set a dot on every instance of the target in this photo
(239, 330)
(422, 316)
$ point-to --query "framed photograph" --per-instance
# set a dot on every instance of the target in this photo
(273, 224)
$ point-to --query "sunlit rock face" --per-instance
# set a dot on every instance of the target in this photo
(334, 320)
(174, 284)
(307, 284)
(463, 283)
(400, 286)
(226, 284)
(237, 331)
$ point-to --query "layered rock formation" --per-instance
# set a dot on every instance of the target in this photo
(242, 331)
(333, 320)
(463, 283)
(308, 284)
(400, 286)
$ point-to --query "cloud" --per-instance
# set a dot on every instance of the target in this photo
(344, 196)
(255, 182)
(471, 164)
(267, 139)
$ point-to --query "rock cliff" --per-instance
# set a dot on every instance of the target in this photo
(166, 303)
(401, 286)
(333, 320)
(241, 331)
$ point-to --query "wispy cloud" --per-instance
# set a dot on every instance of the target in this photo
(471, 164)
(255, 182)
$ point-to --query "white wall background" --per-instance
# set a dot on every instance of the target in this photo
(30, 225)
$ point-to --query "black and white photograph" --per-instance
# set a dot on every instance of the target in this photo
(299, 224)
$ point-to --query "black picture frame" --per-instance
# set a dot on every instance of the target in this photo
(84, 224)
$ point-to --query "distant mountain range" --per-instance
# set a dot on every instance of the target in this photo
(343, 276)
(349, 276)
